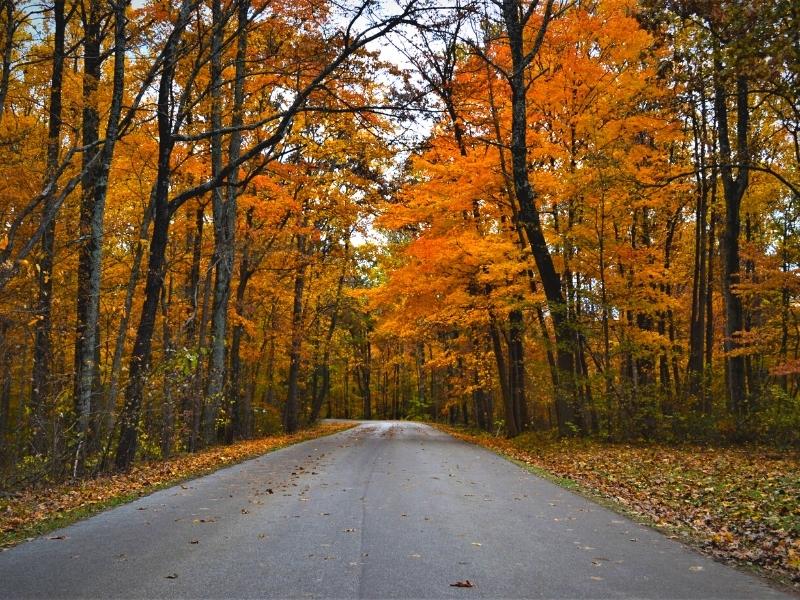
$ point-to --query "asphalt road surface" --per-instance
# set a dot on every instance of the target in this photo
(385, 510)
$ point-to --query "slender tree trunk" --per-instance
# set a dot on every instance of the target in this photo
(291, 420)
(88, 272)
(223, 247)
(142, 347)
(95, 188)
(363, 379)
(167, 407)
(122, 330)
(8, 8)
(322, 369)
(710, 299)
(41, 390)
(237, 411)
(734, 189)
(6, 354)
(232, 191)
(516, 368)
(515, 20)
(510, 415)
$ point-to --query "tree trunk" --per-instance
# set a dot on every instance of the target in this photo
(223, 242)
(706, 185)
(237, 415)
(734, 189)
(363, 377)
(122, 331)
(291, 414)
(528, 218)
(510, 415)
(142, 347)
(90, 231)
(93, 199)
(322, 369)
(516, 368)
(41, 391)
(10, 24)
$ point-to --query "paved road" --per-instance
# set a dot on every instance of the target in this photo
(386, 510)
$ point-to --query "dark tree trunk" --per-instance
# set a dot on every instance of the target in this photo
(734, 189)
(510, 415)
(322, 371)
(167, 407)
(122, 331)
(8, 8)
(363, 378)
(90, 231)
(223, 240)
(292, 412)
(710, 298)
(41, 391)
(6, 354)
(239, 413)
(515, 18)
(195, 323)
(93, 200)
(516, 368)
(142, 347)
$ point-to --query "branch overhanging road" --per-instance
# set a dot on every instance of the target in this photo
(385, 510)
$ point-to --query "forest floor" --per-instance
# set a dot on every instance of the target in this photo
(738, 504)
(37, 510)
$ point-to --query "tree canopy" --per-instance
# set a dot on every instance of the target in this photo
(222, 218)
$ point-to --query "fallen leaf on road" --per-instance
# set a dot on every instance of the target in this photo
(696, 568)
(57, 537)
(171, 576)
(463, 584)
(476, 544)
(194, 541)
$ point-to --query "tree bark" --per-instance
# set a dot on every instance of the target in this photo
(510, 415)
(239, 414)
(142, 347)
(292, 411)
(734, 189)
(93, 199)
(695, 367)
(8, 8)
(223, 236)
(515, 18)
(41, 391)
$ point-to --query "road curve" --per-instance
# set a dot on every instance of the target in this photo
(385, 510)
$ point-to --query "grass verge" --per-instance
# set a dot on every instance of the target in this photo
(740, 505)
(37, 511)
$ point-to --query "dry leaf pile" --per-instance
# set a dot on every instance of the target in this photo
(740, 504)
(28, 509)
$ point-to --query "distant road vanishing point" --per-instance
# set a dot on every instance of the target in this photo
(384, 510)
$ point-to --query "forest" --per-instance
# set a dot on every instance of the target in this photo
(225, 219)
